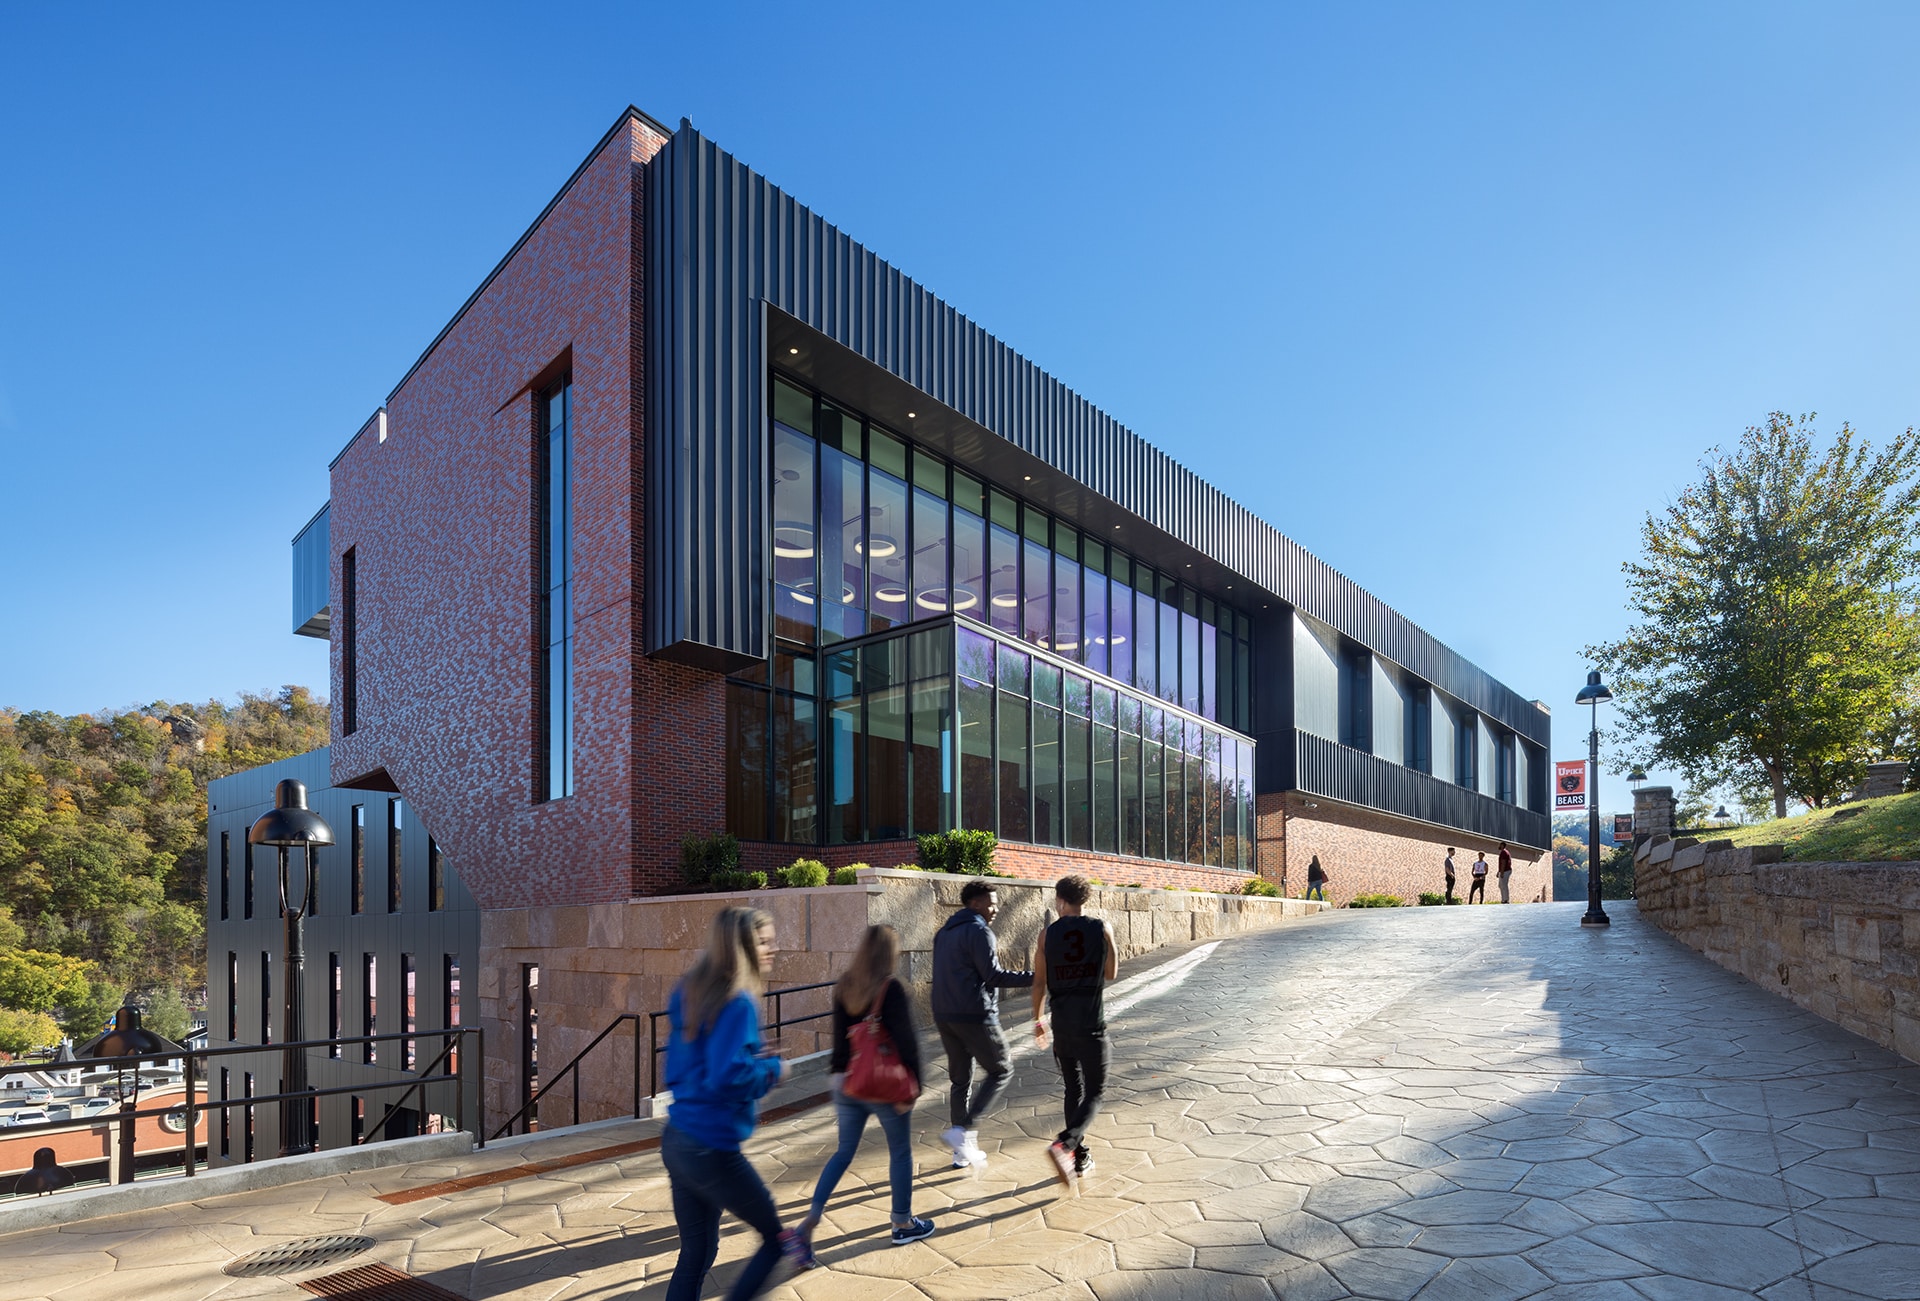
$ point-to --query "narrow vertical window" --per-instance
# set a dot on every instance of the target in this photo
(450, 1007)
(226, 1121)
(530, 1038)
(370, 1007)
(396, 818)
(436, 876)
(553, 504)
(233, 996)
(333, 1005)
(408, 1009)
(246, 1150)
(266, 998)
(246, 868)
(349, 643)
(359, 883)
(226, 873)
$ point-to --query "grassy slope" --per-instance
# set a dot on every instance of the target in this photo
(1884, 830)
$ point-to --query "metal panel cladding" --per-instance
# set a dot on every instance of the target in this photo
(721, 241)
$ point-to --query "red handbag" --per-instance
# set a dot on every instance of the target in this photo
(875, 1072)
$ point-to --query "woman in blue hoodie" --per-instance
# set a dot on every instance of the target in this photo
(718, 1072)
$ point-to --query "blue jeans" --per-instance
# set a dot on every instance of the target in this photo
(852, 1115)
(706, 1181)
(1314, 891)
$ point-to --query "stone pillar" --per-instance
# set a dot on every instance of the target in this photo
(1653, 812)
(1885, 778)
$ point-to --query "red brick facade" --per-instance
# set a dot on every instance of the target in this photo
(441, 520)
(1364, 852)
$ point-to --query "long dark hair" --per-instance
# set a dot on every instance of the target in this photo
(866, 977)
(730, 966)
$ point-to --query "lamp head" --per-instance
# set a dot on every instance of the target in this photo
(1595, 692)
(291, 822)
(128, 1038)
(1721, 815)
(47, 1175)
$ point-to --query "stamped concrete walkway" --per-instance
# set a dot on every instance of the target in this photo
(1481, 1103)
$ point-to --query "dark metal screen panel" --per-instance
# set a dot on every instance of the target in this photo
(311, 577)
(720, 241)
(1322, 767)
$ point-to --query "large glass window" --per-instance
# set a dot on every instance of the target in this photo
(553, 778)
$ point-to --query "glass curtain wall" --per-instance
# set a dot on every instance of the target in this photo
(952, 724)
(870, 532)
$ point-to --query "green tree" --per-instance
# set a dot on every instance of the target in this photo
(23, 1032)
(42, 982)
(166, 1014)
(1777, 626)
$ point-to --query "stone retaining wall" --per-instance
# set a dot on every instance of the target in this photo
(1840, 939)
(598, 961)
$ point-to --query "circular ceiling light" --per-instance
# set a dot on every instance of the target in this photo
(891, 595)
(803, 593)
(792, 541)
(1006, 600)
(879, 547)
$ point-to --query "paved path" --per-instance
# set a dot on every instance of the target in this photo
(1433, 1103)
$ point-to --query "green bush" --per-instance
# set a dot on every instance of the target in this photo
(846, 875)
(1261, 889)
(737, 880)
(1429, 899)
(802, 873)
(703, 859)
(969, 853)
(908, 867)
(1456, 899)
(1376, 901)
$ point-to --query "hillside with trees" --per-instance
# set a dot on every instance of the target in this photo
(103, 853)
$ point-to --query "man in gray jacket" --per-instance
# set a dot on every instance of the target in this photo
(967, 980)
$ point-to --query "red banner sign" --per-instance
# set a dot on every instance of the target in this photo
(1570, 784)
(1622, 828)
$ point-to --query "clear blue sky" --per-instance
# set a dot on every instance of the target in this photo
(1452, 294)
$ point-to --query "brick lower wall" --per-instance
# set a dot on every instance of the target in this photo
(1364, 852)
(1840, 939)
(1036, 862)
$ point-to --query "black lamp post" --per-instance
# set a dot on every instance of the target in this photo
(47, 1176)
(1593, 694)
(128, 1038)
(293, 823)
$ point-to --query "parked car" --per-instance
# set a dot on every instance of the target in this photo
(29, 1097)
(30, 1116)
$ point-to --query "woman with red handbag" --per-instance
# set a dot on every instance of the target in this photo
(876, 1072)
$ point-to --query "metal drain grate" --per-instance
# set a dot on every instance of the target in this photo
(377, 1283)
(298, 1256)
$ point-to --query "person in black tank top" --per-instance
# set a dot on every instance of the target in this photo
(1072, 963)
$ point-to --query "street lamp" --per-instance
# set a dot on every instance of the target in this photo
(128, 1038)
(1721, 815)
(1636, 777)
(293, 823)
(47, 1176)
(1593, 694)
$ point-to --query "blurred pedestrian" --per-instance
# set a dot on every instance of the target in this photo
(1073, 960)
(1479, 886)
(1316, 880)
(967, 980)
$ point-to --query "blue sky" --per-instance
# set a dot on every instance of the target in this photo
(1453, 295)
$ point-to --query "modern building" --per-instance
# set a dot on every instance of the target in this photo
(699, 517)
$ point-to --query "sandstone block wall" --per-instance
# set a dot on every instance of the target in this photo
(1840, 939)
(600, 960)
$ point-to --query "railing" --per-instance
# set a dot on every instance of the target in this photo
(527, 1115)
(1322, 767)
(123, 1151)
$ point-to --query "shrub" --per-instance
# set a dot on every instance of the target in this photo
(1456, 899)
(1261, 889)
(969, 853)
(738, 880)
(845, 875)
(1429, 899)
(704, 858)
(908, 867)
(1376, 901)
(803, 872)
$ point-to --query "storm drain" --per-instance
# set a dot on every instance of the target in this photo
(377, 1283)
(299, 1255)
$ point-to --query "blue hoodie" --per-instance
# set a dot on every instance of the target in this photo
(718, 1078)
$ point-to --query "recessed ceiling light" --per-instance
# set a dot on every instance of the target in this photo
(1116, 528)
(1027, 477)
(793, 352)
(1189, 566)
(909, 415)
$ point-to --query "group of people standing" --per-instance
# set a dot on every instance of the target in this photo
(1479, 871)
(718, 1067)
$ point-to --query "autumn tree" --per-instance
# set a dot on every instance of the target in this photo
(1777, 633)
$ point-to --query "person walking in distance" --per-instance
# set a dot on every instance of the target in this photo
(1316, 880)
(1450, 876)
(1479, 886)
(967, 980)
(1506, 872)
(869, 990)
(718, 1071)
(1073, 960)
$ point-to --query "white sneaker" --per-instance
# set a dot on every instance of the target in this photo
(972, 1150)
(956, 1138)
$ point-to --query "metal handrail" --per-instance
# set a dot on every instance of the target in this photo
(129, 1111)
(777, 1023)
(572, 1069)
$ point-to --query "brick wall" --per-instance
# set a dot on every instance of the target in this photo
(1365, 852)
(1840, 939)
(441, 519)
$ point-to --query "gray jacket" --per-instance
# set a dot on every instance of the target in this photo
(967, 975)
